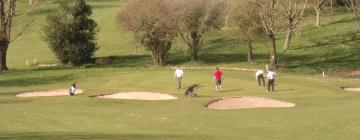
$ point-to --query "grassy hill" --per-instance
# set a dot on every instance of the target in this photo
(333, 47)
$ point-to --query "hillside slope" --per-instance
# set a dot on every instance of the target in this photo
(333, 47)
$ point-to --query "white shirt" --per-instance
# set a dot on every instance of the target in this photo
(179, 73)
(259, 72)
(271, 75)
(72, 89)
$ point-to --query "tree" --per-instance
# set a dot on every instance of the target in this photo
(153, 24)
(7, 12)
(245, 20)
(230, 7)
(71, 33)
(269, 16)
(293, 15)
(354, 5)
(7, 8)
(331, 7)
(318, 5)
(195, 19)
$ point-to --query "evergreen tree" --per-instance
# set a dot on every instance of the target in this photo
(71, 33)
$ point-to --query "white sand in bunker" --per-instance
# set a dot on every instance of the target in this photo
(353, 89)
(139, 96)
(247, 102)
(59, 92)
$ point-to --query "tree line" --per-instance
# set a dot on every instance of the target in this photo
(155, 24)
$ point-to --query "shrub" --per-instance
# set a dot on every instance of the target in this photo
(71, 33)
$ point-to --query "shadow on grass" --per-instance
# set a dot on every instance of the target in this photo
(105, 6)
(23, 82)
(49, 9)
(232, 58)
(338, 61)
(332, 40)
(343, 20)
(77, 136)
(106, 1)
(232, 90)
(124, 61)
(332, 53)
(283, 90)
(5, 102)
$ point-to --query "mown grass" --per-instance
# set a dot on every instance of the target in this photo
(323, 110)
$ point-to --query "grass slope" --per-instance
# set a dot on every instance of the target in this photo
(334, 46)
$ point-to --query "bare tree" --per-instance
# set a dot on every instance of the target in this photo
(153, 24)
(195, 19)
(7, 8)
(354, 5)
(269, 16)
(331, 7)
(293, 14)
(230, 7)
(245, 20)
(7, 12)
(318, 5)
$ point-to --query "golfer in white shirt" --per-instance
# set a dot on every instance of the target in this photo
(178, 75)
(72, 89)
(260, 77)
(271, 80)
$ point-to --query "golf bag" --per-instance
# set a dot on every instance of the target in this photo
(190, 91)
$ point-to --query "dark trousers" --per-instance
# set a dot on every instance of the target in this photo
(271, 83)
(178, 82)
(260, 79)
(72, 94)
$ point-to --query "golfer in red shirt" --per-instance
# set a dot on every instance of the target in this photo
(218, 79)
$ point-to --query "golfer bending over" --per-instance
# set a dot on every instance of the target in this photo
(271, 80)
(218, 79)
(260, 77)
(178, 75)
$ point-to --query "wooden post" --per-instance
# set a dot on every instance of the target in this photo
(27, 64)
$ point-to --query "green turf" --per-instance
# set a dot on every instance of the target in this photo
(323, 110)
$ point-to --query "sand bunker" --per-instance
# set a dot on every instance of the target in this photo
(139, 96)
(352, 89)
(247, 102)
(355, 73)
(60, 92)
